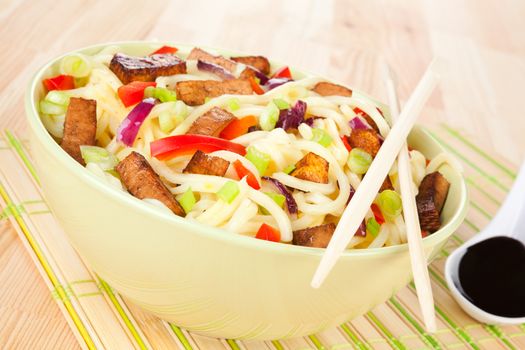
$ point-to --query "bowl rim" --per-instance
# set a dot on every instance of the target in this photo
(210, 232)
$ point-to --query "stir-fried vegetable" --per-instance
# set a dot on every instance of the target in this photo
(228, 192)
(238, 127)
(99, 156)
(291, 204)
(234, 104)
(321, 137)
(129, 128)
(60, 82)
(133, 92)
(269, 117)
(255, 86)
(281, 104)
(173, 146)
(289, 169)
(268, 233)
(259, 159)
(357, 124)
(372, 227)
(165, 50)
(241, 171)
(161, 94)
(359, 161)
(291, 118)
(76, 65)
(283, 72)
(390, 204)
(279, 199)
(187, 200)
(377, 213)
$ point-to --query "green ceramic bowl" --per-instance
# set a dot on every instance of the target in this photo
(203, 278)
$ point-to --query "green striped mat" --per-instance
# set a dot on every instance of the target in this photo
(101, 318)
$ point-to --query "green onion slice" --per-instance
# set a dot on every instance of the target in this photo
(228, 192)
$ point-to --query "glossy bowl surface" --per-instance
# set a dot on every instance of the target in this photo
(203, 278)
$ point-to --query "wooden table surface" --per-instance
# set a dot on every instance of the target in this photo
(482, 42)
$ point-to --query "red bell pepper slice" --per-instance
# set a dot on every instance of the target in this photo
(283, 72)
(241, 171)
(268, 233)
(377, 214)
(238, 127)
(256, 87)
(165, 49)
(173, 146)
(424, 233)
(346, 143)
(60, 82)
(132, 93)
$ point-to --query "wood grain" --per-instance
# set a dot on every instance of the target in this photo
(483, 45)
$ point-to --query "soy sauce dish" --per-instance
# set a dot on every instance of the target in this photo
(139, 211)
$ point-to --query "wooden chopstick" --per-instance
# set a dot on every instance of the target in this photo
(367, 190)
(415, 240)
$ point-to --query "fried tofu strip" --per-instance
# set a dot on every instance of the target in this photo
(129, 68)
(261, 63)
(318, 236)
(212, 122)
(331, 89)
(203, 164)
(199, 54)
(312, 168)
(430, 199)
(368, 140)
(141, 181)
(80, 126)
(195, 92)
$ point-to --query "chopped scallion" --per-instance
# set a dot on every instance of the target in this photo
(100, 156)
(279, 199)
(76, 65)
(167, 122)
(269, 117)
(359, 161)
(373, 227)
(281, 104)
(50, 108)
(187, 200)
(321, 137)
(234, 104)
(228, 191)
(161, 94)
(289, 169)
(259, 159)
(390, 204)
(57, 97)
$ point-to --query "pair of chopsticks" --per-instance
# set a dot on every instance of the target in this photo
(394, 145)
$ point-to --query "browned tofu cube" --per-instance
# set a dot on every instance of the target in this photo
(368, 140)
(430, 199)
(129, 68)
(142, 181)
(261, 63)
(195, 92)
(312, 168)
(80, 126)
(330, 89)
(199, 54)
(203, 164)
(318, 236)
(212, 122)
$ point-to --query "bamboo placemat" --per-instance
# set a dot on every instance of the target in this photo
(102, 319)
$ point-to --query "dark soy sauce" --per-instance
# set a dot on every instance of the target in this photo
(492, 276)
